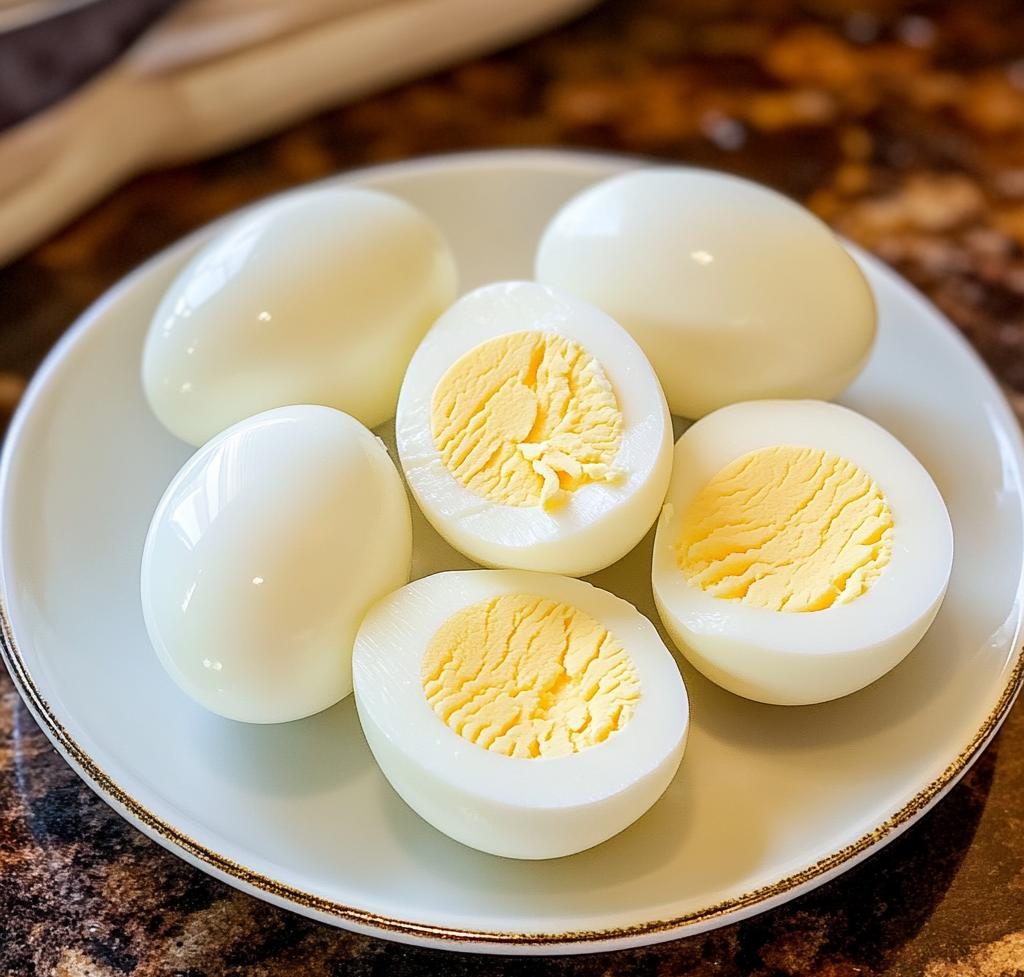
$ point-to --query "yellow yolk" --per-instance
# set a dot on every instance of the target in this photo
(529, 677)
(789, 529)
(526, 418)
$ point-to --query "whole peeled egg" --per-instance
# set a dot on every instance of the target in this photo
(733, 291)
(262, 557)
(317, 297)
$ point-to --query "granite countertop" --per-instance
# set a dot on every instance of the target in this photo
(902, 124)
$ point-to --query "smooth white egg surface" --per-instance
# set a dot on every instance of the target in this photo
(802, 553)
(734, 291)
(523, 714)
(262, 556)
(533, 431)
(317, 297)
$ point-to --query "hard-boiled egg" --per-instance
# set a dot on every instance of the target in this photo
(523, 714)
(733, 291)
(533, 431)
(264, 553)
(802, 552)
(318, 297)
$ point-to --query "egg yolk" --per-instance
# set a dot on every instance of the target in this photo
(789, 529)
(527, 418)
(525, 676)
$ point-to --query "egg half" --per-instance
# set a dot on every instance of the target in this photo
(523, 714)
(262, 556)
(734, 291)
(533, 431)
(317, 297)
(802, 552)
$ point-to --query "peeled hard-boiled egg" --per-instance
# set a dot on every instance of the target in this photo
(264, 553)
(318, 297)
(533, 431)
(802, 552)
(523, 714)
(733, 291)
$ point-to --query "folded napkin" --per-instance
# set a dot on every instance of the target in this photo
(217, 73)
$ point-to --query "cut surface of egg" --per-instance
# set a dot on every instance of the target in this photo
(262, 556)
(523, 714)
(317, 297)
(533, 431)
(802, 552)
(734, 291)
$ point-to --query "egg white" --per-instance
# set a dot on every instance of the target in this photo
(262, 557)
(799, 658)
(319, 296)
(515, 807)
(600, 522)
(733, 291)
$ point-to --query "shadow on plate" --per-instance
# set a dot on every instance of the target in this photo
(858, 923)
(615, 869)
(309, 756)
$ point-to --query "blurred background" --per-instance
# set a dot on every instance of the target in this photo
(902, 124)
(124, 124)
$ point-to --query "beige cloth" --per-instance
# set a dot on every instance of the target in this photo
(217, 73)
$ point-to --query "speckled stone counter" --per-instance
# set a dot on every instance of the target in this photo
(903, 126)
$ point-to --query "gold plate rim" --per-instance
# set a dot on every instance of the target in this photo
(107, 788)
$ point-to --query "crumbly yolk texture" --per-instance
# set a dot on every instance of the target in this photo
(525, 676)
(789, 529)
(527, 418)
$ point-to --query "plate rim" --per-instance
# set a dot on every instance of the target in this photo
(368, 922)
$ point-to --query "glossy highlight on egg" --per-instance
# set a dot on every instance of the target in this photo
(262, 557)
(733, 291)
(317, 297)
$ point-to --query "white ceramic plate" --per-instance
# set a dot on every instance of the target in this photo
(769, 801)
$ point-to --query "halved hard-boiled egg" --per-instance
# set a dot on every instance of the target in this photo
(802, 551)
(734, 291)
(523, 714)
(316, 297)
(533, 431)
(262, 556)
